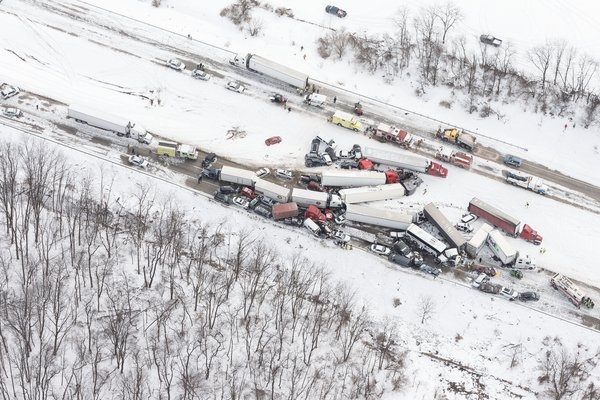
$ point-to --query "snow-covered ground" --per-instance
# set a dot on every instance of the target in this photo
(75, 68)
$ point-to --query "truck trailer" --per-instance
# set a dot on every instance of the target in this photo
(238, 176)
(339, 178)
(447, 229)
(271, 190)
(501, 248)
(474, 246)
(372, 193)
(426, 242)
(503, 221)
(407, 161)
(284, 210)
(272, 69)
(378, 217)
(113, 123)
(319, 199)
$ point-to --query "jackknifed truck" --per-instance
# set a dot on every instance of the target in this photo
(403, 160)
(503, 221)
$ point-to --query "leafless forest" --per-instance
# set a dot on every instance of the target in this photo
(103, 301)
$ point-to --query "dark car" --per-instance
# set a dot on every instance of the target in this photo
(315, 145)
(263, 211)
(223, 198)
(349, 164)
(314, 186)
(227, 189)
(209, 159)
(308, 178)
(529, 296)
(336, 11)
(293, 221)
(314, 160)
(482, 269)
(277, 98)
(357, 150)
(489, 39)
(400, 259)
(211, 173)
(331, 152)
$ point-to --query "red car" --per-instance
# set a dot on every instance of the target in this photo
(273, 140)
(249, 193)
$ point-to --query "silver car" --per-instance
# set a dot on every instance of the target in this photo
(11, 112)
(198, 74)
(176, 64)
(236, 87)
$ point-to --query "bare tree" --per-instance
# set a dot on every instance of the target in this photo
(448, 15)
(564, 372)
(353, 331)
(426, 308)
(255, 26)
(541, 57)
(339, 41)
(403, 37)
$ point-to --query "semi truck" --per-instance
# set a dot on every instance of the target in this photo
(272, 69)
(458, 137)
(410, 162)
(569, 289)
(532, 183)
(174, 149)
(113, 123)
(284, 210)
(503, 221)
(346, 120)
(319, 199)
(238, 176)
(378, 217)
(392, 134)
(476, 243)
(458, 158)
(501, 248)
(447, 229)
(372, 193)
(426, 242)
(271, 190)
(338, 178)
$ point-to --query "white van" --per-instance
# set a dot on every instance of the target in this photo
(312, 226)
(524, 263)
(315, 99)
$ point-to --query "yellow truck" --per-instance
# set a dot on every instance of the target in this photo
(173, 149)
(346, 120)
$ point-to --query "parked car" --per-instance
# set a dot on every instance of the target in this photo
(241, 201)
(266, 200)
(380, 250)
(261, 173)
(176, 64)
(9, 91)
(263, 211)
(428, 269)
(400, 259)
(512, 161)
(284, 174)
(468, 218)
(11, 112)
(277, 98)
(529, 296)
(489, 39)
(336, 11)
(209, 159)
(227, 189)
(235, 86)
(481, 279)
(509, 293)
(464, 227)
(273, 140)
(340, 237)
(482, 269)
(211, 173)
(138, 161)
(247, 192)
(222, 198)
(199, 74)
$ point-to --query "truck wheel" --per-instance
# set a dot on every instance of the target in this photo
(339, 124)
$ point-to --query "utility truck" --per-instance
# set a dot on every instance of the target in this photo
(532, 183)
(346, 120)
(503, 221)
(572, 291)
(405, 160)
(113, 123)
(174, 149)
(393, 134)
(458, 137)
(458, 158)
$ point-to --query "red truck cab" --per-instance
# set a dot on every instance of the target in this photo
(531, 235)
(313, 212)
(436, 169)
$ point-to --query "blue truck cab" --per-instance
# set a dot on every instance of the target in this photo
(512, 160)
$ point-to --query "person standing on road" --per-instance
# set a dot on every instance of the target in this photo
(334, 99)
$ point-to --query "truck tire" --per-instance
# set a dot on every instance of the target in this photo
(338, 124)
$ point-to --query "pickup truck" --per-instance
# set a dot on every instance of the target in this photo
(489, 39)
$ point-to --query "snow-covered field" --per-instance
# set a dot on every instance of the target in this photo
(100, 68)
